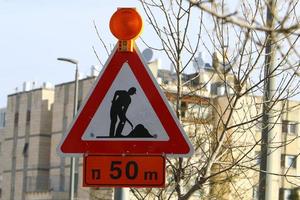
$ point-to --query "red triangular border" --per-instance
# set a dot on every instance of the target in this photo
(177, 144)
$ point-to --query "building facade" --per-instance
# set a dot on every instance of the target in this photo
(2, 126)
(26, 143)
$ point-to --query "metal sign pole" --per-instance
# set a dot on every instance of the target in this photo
(121, 194)
(72, 167)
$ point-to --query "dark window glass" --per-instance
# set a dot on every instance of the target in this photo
(25, 150)
(288, 161)
(293, 128)
(28, 116)
(284, 126)
(16, 119)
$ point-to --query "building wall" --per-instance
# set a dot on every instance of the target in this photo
(27, 143)
(243, 184)
(291, 142)
(2, 132)
(62, 117)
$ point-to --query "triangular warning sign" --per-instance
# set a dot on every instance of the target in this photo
(125, 113)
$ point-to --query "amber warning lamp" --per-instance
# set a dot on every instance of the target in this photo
(126, 24)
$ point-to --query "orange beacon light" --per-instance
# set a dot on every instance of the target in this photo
(126, 24)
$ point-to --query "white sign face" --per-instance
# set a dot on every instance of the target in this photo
(125, 113)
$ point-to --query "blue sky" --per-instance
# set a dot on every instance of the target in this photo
(34, 33)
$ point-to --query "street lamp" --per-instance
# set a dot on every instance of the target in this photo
(72, 169)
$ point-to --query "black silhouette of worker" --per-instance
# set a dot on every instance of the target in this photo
(119, 106)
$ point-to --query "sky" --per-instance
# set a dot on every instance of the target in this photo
(33, 34)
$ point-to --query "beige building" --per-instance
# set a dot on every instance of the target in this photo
(37, 119)
(2, 125)
(243, 142)
(26, 143)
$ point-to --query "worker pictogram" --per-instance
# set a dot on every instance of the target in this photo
(119, 106)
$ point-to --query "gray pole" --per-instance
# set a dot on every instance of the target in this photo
(75, 105)
(72, 169)
(121, 194)
(269, 119)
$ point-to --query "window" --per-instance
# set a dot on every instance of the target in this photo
(293, 128)
(25, 150)
(183, 109)
(16, 119)
(214, 87)
(79, 104)
(284, 126)
(199, 111)
(28, 115)
(255, 193)
(291, 161)
(289, 127)
(288, 194)
(288, 161)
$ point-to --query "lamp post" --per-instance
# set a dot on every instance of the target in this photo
(72, 169)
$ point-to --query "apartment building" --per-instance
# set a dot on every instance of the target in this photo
(243, 142)
(26, 143)
(36, 120)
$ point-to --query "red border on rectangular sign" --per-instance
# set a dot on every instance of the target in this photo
(123, 171)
